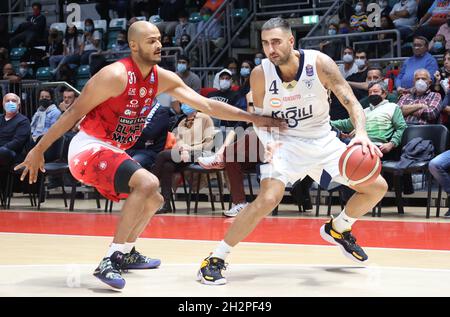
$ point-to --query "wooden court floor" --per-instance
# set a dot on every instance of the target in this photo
(53, 253)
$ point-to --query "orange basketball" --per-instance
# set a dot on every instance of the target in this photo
(359, 168)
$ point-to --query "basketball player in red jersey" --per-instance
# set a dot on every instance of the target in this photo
(115, 103)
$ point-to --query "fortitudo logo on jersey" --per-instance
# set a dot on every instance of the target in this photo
(293, 115)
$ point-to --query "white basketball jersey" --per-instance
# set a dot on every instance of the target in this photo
(302, 102)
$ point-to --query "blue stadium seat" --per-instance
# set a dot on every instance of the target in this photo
(16, 53)
(43, 73)
(118, 24)
(84, 71)
(59, 26)
(240, 13)
(195, 17)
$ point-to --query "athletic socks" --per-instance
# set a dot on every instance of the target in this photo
(343, 222)
(222, 250)
(115, 247)
(128, 247)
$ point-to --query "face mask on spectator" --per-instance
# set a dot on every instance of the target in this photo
(375, 99)
(347, 58)
(89, 28)
(186, 109)
(360, 63)
(438, 46)
(257, 61)
(181, 68)
(421, 85)
(45, 103)
(206, 17)
(358, 9)
(22, 71)
(343, 30)
(332, 32)
(11, 106)
(245, 72)
(224, 84)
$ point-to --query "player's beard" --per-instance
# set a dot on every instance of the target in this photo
(282, 59)
(146, 58)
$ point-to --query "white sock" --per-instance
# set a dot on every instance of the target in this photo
(343, 222)
(128, 247)
(113, 247)
(222, 250)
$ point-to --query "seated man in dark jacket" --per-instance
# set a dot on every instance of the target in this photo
(15, 131)
(153, 137)
(28, 32)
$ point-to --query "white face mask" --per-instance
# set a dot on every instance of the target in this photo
(347, 58)
(421, 85)
(224, 84)
(360, 63)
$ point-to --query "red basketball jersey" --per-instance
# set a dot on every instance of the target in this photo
(120, 120)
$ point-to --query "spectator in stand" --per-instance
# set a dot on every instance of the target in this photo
(231, 65)
(68, 99)
(119, 49)
(375, 74)
(45, 116)
(225, 94)
(441, 77)
(258, 58)
(385, 7)
(54, 47)
(421, 105)
(384, 120)
(421, 59)
(344, 27)
(71, 52)
(244, 86)
(25, 72)
(14, 131)
(90, 42)
(213, 32)
(119, 6)
(439, 167)
(444, 30)
(349, 67)
(436, 16)
(28, 32)
(184, 27)
(153, 137)
(386, 24)
(189, 78)
(194, 135)
(437, 45)
(10, 74)
(168, 11)
(332, 47)
(404, 17)
(358, 21)
(358, 80)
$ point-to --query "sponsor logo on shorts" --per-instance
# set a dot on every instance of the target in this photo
(275, 102)
(309, 70)
(142, 92)
(103, 165)
(132, 92)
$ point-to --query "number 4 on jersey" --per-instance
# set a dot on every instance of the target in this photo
(273, 88)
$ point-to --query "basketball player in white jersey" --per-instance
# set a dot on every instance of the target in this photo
(294, 85)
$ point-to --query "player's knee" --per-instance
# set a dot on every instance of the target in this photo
(381, 186)
(148, 186)
(266, 203)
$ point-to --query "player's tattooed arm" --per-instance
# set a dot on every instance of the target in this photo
(331, 78)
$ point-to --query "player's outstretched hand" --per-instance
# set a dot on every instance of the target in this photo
(32, 164)
(261, 121)
(366, 145)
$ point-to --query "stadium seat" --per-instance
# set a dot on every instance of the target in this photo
(84, 71)
(155, 19)
(80, 83)
(117, 24)
(16, 53)
(141, 18)
(43, 74)
(240, 13)
(195, 17)
(59, 26)
(101, 25)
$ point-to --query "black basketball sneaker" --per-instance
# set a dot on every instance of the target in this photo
(345, 241)
(210, 272)
(109, 271)
(136, 261)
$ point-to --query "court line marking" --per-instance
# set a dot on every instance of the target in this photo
(368, 267)
(210, 241)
